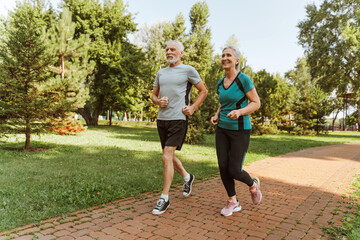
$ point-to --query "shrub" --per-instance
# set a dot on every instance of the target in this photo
(303, 132)
(258, 129)
(194, 135)
(66, 126)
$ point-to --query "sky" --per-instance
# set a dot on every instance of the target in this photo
(266, 29)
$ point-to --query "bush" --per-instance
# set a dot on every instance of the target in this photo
(258, 129)
(303, 132)
(66, 126)
(194, 135)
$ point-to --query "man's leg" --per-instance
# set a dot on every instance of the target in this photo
(179, 167)
(168, 170)
(168, 173)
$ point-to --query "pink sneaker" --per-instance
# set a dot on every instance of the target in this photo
(230, 208)
(256, 195)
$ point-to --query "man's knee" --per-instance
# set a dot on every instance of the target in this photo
(168, 154)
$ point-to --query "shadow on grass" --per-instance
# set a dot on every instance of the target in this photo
(65, 178)
(40, 185)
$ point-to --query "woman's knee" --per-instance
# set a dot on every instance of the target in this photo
(234, 173)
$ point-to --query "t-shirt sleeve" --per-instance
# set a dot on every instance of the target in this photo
(156, 82)
(193, 75)
(247, 83)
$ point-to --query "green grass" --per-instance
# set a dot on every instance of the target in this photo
(108, 163)
(350, 228)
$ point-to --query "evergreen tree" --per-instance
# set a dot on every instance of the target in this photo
(199, 55)
(311, 105)
(71, 59)
(29, 95)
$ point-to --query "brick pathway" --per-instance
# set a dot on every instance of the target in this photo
(302, 191)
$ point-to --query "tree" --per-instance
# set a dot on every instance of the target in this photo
(330, 35)
(117, 61)
(71, 57)
(30, 96)
(311, 104)
(199, 55)
(276, 98)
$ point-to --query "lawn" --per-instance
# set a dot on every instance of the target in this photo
(109, 163)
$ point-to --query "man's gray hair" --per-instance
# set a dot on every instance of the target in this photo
(181, 46)
(237, 54)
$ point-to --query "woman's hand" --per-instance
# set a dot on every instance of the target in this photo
(234, 114)
(214, 120)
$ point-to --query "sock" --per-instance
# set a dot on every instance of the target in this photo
(166, 197)
(187, 178)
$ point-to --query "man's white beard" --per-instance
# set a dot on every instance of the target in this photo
(172, 61)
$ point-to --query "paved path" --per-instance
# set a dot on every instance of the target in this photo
(302, 191)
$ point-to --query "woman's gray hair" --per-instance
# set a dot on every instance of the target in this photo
(237, 54)
(181, 46)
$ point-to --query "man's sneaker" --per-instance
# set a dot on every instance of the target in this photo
(188, 186)
(256, 195)
(161, 206)
(230, 208)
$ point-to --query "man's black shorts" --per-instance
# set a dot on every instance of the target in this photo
(172, 132)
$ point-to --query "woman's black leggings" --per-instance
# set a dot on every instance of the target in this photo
(231, 147)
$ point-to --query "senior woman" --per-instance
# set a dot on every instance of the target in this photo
(238, 98)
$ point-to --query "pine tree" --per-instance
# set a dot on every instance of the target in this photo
(199, 55)
(71, 59)
(31, 96)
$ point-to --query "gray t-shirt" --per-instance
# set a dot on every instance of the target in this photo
(175, 83)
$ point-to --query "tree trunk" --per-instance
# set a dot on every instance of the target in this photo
(110, 116)
(86, 114)
(27, 135)
(358, 120)
(333, 121)
(98, 110)
(125, 118)
(92, 119)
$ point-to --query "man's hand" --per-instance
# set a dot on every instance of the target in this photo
(188, 110)
(163, 102)
(235, 114)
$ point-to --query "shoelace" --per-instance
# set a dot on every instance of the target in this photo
(187, 186)
(160, 203)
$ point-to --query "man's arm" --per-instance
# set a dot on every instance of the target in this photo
(162, 102)
(189, 110)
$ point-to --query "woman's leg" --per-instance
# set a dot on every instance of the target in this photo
(239, 143)
(222, 151)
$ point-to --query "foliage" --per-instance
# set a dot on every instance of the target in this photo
(66, 126)
(311, 104)
(117, 61)
(276, 96)
(258, 129)
(71, 58)
(199, 55)
(30, 96)
(331, 37)
(301, 131)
